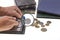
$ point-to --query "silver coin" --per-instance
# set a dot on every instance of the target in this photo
(27, 21)
(42, 25)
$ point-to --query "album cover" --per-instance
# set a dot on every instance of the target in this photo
(41, 14)
(48, 9)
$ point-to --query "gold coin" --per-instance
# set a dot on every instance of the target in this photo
(34, 24)
(43, 29)
(37, 26)
(38, 22)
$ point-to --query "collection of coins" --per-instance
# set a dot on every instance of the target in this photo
(39, 24)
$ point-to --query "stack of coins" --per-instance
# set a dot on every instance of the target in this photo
(37, 23)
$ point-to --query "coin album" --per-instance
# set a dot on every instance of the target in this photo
(23, 4)
(20, 29)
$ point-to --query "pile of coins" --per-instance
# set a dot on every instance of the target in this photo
(39, 24)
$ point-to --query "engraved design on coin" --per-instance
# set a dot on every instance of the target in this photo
(27, 21)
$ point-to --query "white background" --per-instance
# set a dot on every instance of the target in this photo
(32, 33)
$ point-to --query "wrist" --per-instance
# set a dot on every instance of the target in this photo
(1, 9)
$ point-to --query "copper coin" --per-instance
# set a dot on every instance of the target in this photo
(37, 26)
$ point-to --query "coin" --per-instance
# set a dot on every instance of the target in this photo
(27, 21)
(42, 25)
(36, 19)
(43, 29)
(37, 26)
(48, 22)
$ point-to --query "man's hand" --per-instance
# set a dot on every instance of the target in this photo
(7, 23)
(11, 11)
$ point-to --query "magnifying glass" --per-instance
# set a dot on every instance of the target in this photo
(29, 19)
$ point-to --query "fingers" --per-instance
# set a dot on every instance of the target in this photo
(14, 23)
(9, 17)
(11, 20)
(12, 11)
(19, 11)
(7, 23)
(15, 14)
(8, 27)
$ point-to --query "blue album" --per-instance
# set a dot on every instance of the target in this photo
(49, 8)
